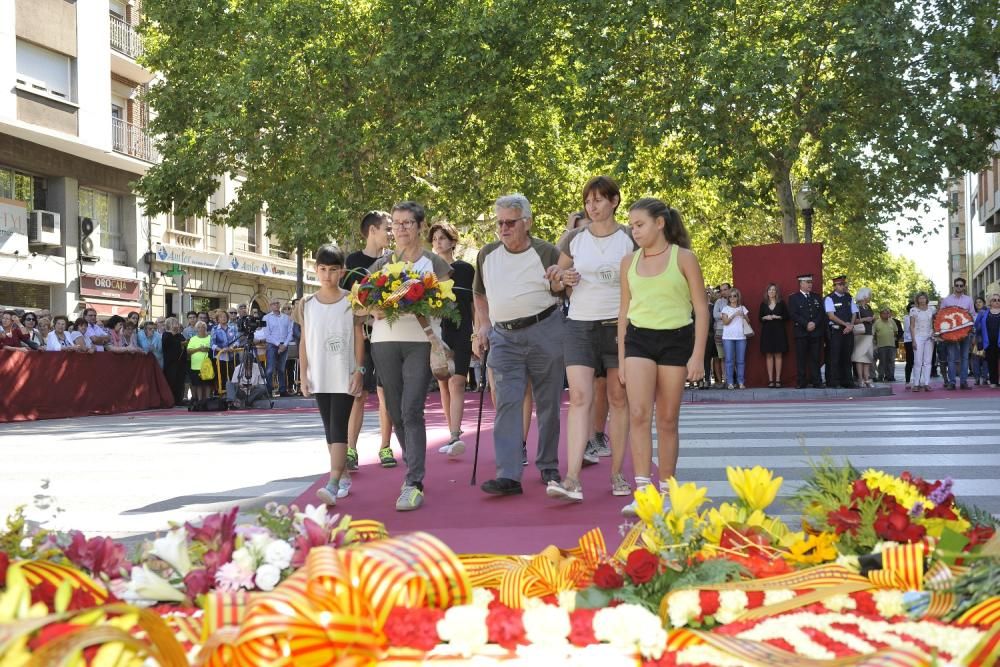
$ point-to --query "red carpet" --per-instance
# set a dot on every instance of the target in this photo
(465, 518)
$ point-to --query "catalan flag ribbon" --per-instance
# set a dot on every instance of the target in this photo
(333, 609)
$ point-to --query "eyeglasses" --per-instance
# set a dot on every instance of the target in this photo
(959, 284)
(509, 224)
(233, 312)
(404, 224)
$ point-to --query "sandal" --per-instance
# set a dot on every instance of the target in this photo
(777, 385)
(619, 486)
(771, 385)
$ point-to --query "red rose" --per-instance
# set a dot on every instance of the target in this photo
(381, 281)
(607, 577)
(413, 628)
(844, 520)
(582, 627)
(415, 292)
(641, 566)
(505, 627)
(4, 564)
(860, 490)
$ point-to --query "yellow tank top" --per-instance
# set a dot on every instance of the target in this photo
(662, 301)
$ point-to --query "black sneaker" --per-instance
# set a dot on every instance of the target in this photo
(550, 475)
(964, 386)
(502, 486)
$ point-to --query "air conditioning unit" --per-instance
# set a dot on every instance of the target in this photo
(44, 228)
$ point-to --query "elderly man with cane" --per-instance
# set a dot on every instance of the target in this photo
(522, 325)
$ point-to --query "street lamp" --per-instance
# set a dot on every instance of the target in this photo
(804, 202)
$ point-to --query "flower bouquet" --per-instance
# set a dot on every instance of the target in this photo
(398, 289)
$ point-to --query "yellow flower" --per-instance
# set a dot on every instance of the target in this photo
(935, 527)
(649, 503)
(717, 519)
(756, 487)
(395, 285)
(905, 493)
(813, 550)
(445, 291)
(685, 500)
(395, 268)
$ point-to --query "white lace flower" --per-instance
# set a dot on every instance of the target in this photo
(683, 607)
(546, 625)
(172, 549)
(267, 577)
(464, 628)
(732, 604)
(279, 554)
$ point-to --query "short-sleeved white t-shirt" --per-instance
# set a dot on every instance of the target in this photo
(923, 322)
(733, 330)
(597, 259)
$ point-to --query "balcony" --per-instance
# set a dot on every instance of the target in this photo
(124, 38)
(133, 140)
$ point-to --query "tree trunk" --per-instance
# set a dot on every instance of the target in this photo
(781, 178)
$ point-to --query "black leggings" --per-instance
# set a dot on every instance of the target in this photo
(335, 409)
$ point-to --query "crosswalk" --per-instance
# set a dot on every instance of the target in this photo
(931, 439)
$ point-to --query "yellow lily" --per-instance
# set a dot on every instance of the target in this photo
(395, 268)
(685, 499)
(756, 487)
(445, 291)
(649, 503)
(813, 550)
(727, 514)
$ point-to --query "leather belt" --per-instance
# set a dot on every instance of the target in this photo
(522, 322)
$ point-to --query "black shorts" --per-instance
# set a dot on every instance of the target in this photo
(461, 344)
(370, 381)
(591, 344)
(195, 377)
(335, 411)
(667, 347)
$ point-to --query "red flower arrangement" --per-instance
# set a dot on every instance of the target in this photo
(641, 566)
(413, 628)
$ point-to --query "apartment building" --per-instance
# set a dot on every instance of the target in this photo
(73, 140)
(982, 192)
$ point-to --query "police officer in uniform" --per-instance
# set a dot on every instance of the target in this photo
(806, 312)
(842, 315)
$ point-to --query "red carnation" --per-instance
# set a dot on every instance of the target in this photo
(582, 627)
(413, 628)
(381, 280)
(641, 566)
(4, 564)
(607, 577)
(415, 292)
(755, 599)
(709, 601)
(860, 490)
(844, 520)
(505, 627)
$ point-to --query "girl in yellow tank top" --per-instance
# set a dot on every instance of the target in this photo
(660, 344)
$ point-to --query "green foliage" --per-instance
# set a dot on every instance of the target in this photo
(981, 582)
(827, 488)
(695, 574)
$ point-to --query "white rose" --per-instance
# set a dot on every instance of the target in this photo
(259, 543)
(464, 628)
(267, 577)
(279, 554)
(244, 559)
(546, 625)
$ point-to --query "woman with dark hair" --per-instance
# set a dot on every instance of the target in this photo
(12, 334)
(660, 344)
(589, 261)
(36, 341)
(443, 238)
(401, 352)
(80, 337)
(773, 334)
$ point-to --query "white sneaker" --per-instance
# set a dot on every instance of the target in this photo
(327, 494)
(344, 487)
(445, 449)
(456, 448)
(631, 510)
(564, 491)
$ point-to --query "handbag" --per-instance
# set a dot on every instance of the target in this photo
(206, 372)
(442, 359)
(747, 329)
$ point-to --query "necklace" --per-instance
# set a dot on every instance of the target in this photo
(646, 254)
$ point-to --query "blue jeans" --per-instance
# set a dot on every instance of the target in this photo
(958, 360)
(736, 354)
(276, 365)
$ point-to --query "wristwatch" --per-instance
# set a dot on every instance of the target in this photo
(360, 369)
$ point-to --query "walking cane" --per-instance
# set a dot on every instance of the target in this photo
(479, 420)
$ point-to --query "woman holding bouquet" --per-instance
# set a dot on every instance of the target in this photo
(401, 351)
(659, 346)
(331, 362)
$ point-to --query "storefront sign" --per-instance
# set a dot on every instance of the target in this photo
(175, 255)
(107, 286)
(13, 227)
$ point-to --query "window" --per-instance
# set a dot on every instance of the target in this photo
(23, 187)
(103, 209)
(186, 225)
(44, 72)
(245, 238)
